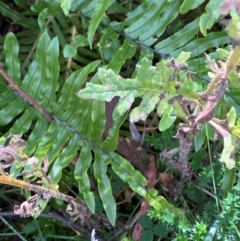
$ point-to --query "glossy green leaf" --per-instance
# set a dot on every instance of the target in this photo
(127, 173)
(230, 102)
(47, 55)
(152, 192)
(211, 16)
(39, 6)
(161, 24)
(65, 5)
(104, 185)
(229, 178)
(176, 40)
(136, 14)
(153, 200)
(69, 51)
(88, 7)
(8, 12)
(147, 235)
(110, 144)
(11, 50)
(147, 20)
(21, 3)
(34, 140)
(80, 40)
(199, 140)
(86, 127)
(53, 67)
(100, 8)
(62, 158)
(37, 73)
(145, 221)
(109, 38)
(189, 5)
(126, 51)
(167, 120)
(161, 230)
(160, 203)
(80, 174)
(98, 121)
(212, 40)
(47, 12)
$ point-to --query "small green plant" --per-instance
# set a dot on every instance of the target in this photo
(151, 228)
(163, 141)
(229, 218)
(184, 231)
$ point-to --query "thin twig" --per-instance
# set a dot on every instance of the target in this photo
(205, 191)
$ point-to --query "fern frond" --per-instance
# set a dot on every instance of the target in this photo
(71, 122)
(63, 126)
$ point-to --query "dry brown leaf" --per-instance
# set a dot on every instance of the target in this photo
(9, 152)
(28, 208)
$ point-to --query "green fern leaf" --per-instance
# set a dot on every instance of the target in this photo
(208, 19)
(126, 172)
(104, 186)
(99, 10)
(108, 38)
(6, 11)
(189, 5)
(126, 51)
(47, 12)
(65, 5)
(80, 174)
(11, 49)
(210, 41)
(157, 29)
(152, 12)
(176, 40)
(43, 76)
(76, 133)
(110, 143)
(15, 16)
